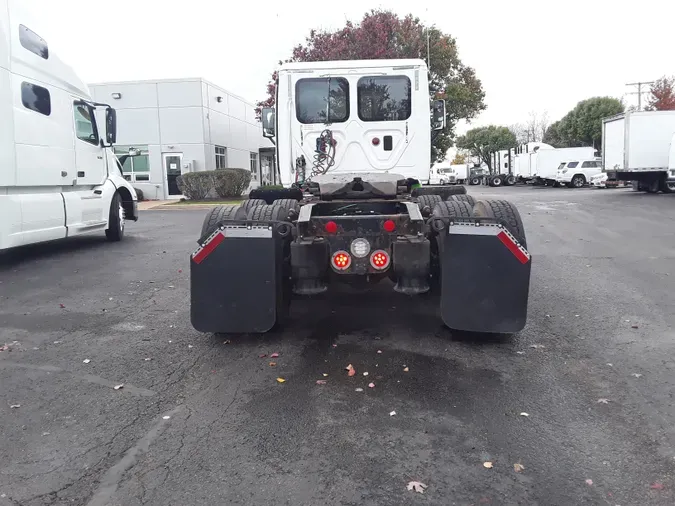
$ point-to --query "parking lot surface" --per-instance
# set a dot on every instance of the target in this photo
(581, 400)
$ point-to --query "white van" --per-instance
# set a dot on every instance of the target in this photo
(58, 175)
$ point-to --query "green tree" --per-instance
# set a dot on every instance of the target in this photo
(382, 34)
(582, 126)
(483, 141)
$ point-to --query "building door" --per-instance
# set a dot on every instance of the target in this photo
(172, 167)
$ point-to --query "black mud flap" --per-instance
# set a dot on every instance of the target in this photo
(236, 279)
(485, 276)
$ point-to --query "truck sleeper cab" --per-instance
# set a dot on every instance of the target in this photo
(58, 177)
(354, 211)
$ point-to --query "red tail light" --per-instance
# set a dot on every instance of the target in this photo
(331, 227)
(341, 260)
(389, 226)
(380, 259)
(376, 141)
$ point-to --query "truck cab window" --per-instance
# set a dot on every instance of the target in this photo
(85, 126)
(36, 98)
(384, 98)
(322, 100)
(33, 42)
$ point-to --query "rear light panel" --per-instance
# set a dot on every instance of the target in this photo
(380, 260)
(341, 260)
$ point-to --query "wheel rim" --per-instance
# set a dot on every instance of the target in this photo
(578, 183)
(671, 186)
(497, 182)
(122, 219)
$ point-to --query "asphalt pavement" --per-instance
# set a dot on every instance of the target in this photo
(581, 400)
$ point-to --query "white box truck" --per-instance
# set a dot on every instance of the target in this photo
(58, 175)
(638, 146)
(547, 162)
(444, 173)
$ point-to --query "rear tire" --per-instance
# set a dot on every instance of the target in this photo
(578, 181)
(474, 181)
(453, 209)
(268, 213)
(463, 198)
(218, 214)
(496, 181)
(287, 204)
(505, 213)
(116, 220)
(510, 180)
(249, 204)
(429, 201)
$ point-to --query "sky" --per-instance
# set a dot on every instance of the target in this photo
(530, 55)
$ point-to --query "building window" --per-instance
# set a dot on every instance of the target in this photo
(221, 157)
(254, 166)
(322, 100)
(36, 98)
(33, 42)
(384, 98)
(134, 168)
(85, 125)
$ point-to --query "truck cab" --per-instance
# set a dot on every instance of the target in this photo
(58, 176)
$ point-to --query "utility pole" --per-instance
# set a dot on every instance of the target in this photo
(639, 92)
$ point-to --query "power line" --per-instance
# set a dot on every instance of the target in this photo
(639, 92)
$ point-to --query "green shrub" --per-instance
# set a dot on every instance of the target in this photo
(230, 183)
(196, 185)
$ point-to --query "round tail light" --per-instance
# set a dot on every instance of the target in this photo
(376, 141)
(331, 227)
(380, 259)
(341, 260)
(389, 226)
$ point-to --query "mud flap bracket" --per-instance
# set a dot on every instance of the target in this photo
(485, 277)
(236, 278)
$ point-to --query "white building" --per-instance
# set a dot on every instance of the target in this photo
(184, 125)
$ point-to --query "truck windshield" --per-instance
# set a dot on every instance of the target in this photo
(384, 98)
(322, 100)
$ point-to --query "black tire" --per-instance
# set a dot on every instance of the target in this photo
(453, 209)
(496, 181)
(455, 190)
(510, 180)
(463, 198)
(218, 214)
(505, 213)
(249, 204)
(287, 204)
(268, 213)
(474, 181)
(428, 201)
(115, 230)
(578, 181)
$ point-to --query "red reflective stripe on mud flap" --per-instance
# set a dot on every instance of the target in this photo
(208, 248)
(513, 247)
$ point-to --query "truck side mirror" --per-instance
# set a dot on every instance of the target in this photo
(438, 115)
(111, 125)
(269, 122)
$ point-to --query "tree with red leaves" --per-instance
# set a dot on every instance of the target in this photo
(662, 95)
(382, 34)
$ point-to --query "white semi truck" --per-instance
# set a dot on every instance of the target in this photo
(640, 147)
(58, 176)
(353, 143)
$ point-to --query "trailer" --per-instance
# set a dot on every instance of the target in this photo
(638, 146)
(353, 141)
(58, 175)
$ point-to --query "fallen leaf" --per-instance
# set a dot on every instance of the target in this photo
(537, 346)
(350, 370)
(589, 482)
(520, 352)
(379, 351)
(335, 346)
(406, 369)
(637, 375)
(393, 413)
(281, 380)
(190, 346)
(15, 406)
(358, 390)
(4, 348)
(524, 414)
(166, 417)
(46, 433)
(227, 341)
(603, 401)
(262, 355)
(518, 467)
(610, 364)
(365, 374)
(273, 364)
(487, 465)
(147, 359)
(86, 361)
(62, 306)
(634, 326)
(180, 271)
(321, 382)
(274, 355)
(325, 375)
(119, 387)
(371, 385)
(656, 486)
(57, 342)
(417, 486)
